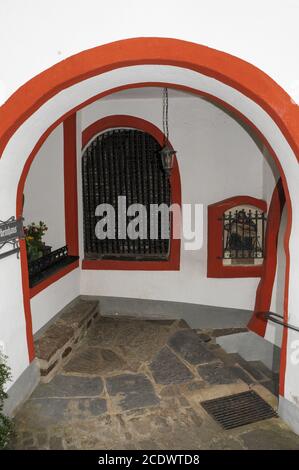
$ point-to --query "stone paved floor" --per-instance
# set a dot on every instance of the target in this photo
(138, 384)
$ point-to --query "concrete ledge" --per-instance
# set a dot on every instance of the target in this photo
(57, 343)
(289, 412)
(197, 316)
(252, 348)
(22, 389)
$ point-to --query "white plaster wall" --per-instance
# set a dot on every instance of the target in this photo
(46, 304)
(39, 34)
(13, 341)
(217, 159)
(44, 190)
(44, 200)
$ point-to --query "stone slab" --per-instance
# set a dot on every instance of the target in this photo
(227, 331)
(63, 386)
(41, 412)
(216, 374)
(88, 407)
(249, 367)
(79, 313)
(53, 339)
(92, 360)
(188, 344)
(131, 391)
(270, 439)
(242, 375)
(168, 369)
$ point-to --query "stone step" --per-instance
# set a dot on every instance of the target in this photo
(58, 342)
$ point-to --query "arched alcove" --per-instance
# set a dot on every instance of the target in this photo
(42, 103)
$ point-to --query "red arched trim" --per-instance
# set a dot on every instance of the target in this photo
(173, 263)
(121, 120)
(226, 68)
(265, 287)
(215, 264)
(70, 184)
(26, 300)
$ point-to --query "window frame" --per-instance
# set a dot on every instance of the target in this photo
(215, 266)
(132, 122)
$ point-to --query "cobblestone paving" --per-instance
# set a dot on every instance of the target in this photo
(138, 384)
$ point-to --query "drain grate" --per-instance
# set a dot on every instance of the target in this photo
(237, 410)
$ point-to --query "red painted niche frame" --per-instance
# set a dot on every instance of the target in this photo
(173, 263)
(264, 291)
(215, 262)
(224, 67)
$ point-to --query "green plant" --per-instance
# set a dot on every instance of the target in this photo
(5, 422)
(33, 236)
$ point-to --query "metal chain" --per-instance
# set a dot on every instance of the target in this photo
(165, 114)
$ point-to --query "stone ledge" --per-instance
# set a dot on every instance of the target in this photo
(57, 344)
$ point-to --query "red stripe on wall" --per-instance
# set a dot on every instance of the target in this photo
(26, 300)
(70, 185)
(265, 287)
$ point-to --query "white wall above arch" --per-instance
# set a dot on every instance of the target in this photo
(265, 34)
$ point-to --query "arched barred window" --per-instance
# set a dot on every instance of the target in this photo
(125, 162)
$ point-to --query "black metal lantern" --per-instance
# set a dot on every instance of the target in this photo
(167, 158)
(167, 153)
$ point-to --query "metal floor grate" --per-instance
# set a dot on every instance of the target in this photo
(237, 410)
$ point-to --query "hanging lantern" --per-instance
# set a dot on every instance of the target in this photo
(167, 153)
(167, 158)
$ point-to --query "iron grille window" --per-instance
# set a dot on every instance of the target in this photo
(124, 162)
(243, 235)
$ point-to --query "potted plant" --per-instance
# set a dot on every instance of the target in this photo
(34, 243)
(5, 423)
